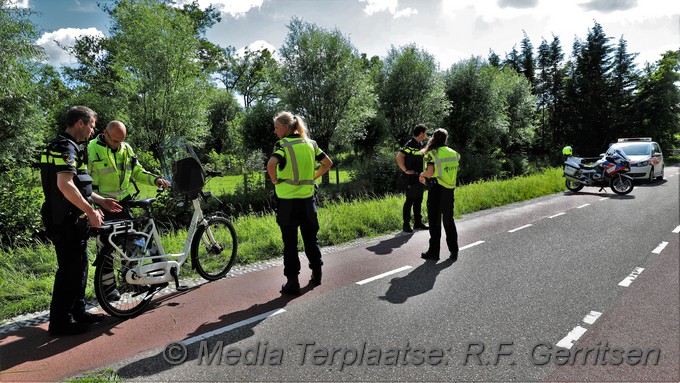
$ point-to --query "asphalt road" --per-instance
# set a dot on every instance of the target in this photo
(569, 287)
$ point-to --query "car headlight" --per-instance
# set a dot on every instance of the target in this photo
(643, 163)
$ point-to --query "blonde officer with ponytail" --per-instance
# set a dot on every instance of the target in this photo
(442, 167)
(291, 169)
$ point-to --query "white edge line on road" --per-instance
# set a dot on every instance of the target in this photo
(603, 199)
(518, 228)
(572, 337)
(383, 275)
(592, 317)
(676, 230)
(557, 215)
(242, 323)
(471, 245)
(582, 206)
(660, 248)
(631, 277)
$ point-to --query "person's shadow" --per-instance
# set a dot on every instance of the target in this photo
(158, 363)
(418, 281)
(386, 247)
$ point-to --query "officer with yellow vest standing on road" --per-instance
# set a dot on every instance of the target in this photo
(442, 168)
(291, 169)
(113, 166)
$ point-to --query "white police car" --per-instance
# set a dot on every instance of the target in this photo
(646, 158)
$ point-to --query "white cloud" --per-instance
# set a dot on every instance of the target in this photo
(391, 6)
(66, 37)
(234, 8)
(258, 45)
(17, 3)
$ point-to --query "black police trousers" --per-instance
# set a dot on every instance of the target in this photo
(440, 210)
(68, 294)
(292, 214)
(414, 200)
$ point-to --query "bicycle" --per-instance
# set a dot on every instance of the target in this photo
(131, 257)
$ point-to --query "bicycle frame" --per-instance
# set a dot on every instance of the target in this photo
(159, 271)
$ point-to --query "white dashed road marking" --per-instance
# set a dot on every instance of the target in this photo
(383, 275)
(582, 206)
(631, 277)
(519, 228)
(660, 248)
(470, 245)
(676, 230)
(557, 215)
(242, 323)
(578, 331)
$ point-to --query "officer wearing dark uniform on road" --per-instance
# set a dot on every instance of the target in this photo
(410, 161)
(66, 213)
(291, 169)
(442, 167)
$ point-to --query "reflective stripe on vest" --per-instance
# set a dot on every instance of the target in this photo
(288, 146)
(440, 163)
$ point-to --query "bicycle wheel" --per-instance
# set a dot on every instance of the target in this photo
(213, 248)
(109, 277)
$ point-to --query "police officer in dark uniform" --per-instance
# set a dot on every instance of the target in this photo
(410, 161)
(66, 213)
(291, 169)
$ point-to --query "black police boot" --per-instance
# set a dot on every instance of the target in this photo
(421, 226)
(292, 287)
(407, 228)
(316, 277)
(88, 318)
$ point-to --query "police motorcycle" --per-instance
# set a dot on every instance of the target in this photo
(608, 171)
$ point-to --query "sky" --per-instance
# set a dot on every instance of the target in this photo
(450, 30)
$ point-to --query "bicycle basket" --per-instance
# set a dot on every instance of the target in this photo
(187, 176)
(181, 166)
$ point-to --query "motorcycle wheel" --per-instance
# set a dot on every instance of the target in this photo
(621, 185)
(574, 186)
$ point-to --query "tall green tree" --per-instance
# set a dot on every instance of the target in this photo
(322, 78)
(657, 101)
(21, 120)
(589, 93)
(411, 91)
(526, 60)
(549, 91)
(476, 122)
(158, 53)
(623, 84)
(250, 74)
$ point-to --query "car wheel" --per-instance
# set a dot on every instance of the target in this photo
(650, 179)
(660, 177)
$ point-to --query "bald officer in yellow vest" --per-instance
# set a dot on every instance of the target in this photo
(442, 168)
(112, 164)
(291, 169)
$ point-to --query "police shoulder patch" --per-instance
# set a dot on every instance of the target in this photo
(69, 158)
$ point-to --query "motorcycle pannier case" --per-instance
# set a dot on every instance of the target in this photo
(571, 169)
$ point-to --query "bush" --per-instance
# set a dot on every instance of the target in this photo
(378, 175)
(20, 202)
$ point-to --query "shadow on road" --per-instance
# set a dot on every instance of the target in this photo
(387, 246)
(418, 281)
(156, 364)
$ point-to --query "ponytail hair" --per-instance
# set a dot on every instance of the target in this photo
(295, 123)
(437, 140)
